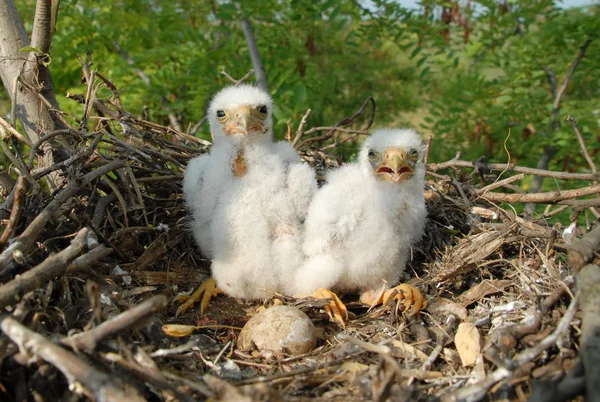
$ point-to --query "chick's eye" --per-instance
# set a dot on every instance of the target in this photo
(263, 109)
(220, 113)
(414, 154)
(372, 154)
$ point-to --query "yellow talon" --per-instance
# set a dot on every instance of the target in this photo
(335, 309)
(413, 299)
(207, 290)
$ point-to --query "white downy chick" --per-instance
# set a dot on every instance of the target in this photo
(361, 224)
(248, 197)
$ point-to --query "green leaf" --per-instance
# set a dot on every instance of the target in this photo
(504, 99)
(30, 49)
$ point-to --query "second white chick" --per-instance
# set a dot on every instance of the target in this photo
(248, 197)
(361, 224)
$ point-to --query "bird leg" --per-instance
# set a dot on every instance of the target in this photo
(413, 299)
(207, 290)
(335, 309)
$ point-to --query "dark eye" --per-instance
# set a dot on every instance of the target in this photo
(263, 109)
(220, 113)
(372, 154)
(414, 154)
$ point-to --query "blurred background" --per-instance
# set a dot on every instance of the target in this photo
(481, 77)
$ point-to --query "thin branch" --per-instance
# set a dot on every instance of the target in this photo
(582, 145)
(563, 88)
(99, 386)
(477, 391)
(300, 130)
(343, 122)
(87, 341)
(14, 132)
(15, 213)
(239, 82)
(53, 266)
(549, 197)
(455, 163)
(26, 240)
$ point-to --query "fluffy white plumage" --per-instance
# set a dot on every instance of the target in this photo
(359, 229)
(248, 197)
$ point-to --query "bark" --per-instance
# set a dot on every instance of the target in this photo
(31, 108)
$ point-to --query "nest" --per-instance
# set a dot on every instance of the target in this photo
(90, 269)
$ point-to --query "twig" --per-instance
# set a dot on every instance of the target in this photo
(15, 213)
(455, 163)
(427, 150)
(584, 250)
(150, 374)
(582, 145)
(26, 240)
(300, 130)
(477, 391)
(53, 266)
(14, 132)
(343, 122)
(239, 82)
(500, 183)
(87, 341)
(100, 386)
(589, 283)
(89, 258)
(43, 139)
(549, 197)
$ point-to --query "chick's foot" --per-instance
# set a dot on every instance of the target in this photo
(207, 290)
(412, 297)
(335, 309)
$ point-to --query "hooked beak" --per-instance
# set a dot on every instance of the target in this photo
(239, 121)
(396, 167)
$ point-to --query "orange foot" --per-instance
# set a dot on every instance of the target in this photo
(413, 299)
(207, 290)
(335, 309)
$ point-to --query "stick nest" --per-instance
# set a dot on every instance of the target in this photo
(110, 247)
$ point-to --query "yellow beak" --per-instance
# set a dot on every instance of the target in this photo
(395, 166)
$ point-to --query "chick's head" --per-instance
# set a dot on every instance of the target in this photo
(393, 155)
(242, 113)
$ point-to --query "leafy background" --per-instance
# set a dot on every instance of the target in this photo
(473, 74)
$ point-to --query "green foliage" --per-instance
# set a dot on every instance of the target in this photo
(475, 75)
(324, 55)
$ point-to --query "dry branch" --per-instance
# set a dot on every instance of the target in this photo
(546, 198)
(26, 240)
(337, 127)
(52, 267)
(455, 163)
(87, 341)
(589, 284)
(585, 249)
(100, 386)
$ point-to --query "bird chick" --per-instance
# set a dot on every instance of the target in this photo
(361, 224)
(248, 197)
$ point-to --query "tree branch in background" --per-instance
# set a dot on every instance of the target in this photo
(174, 120)
(259, 70)
(584, 150)
(332, 130)
(551, 150)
